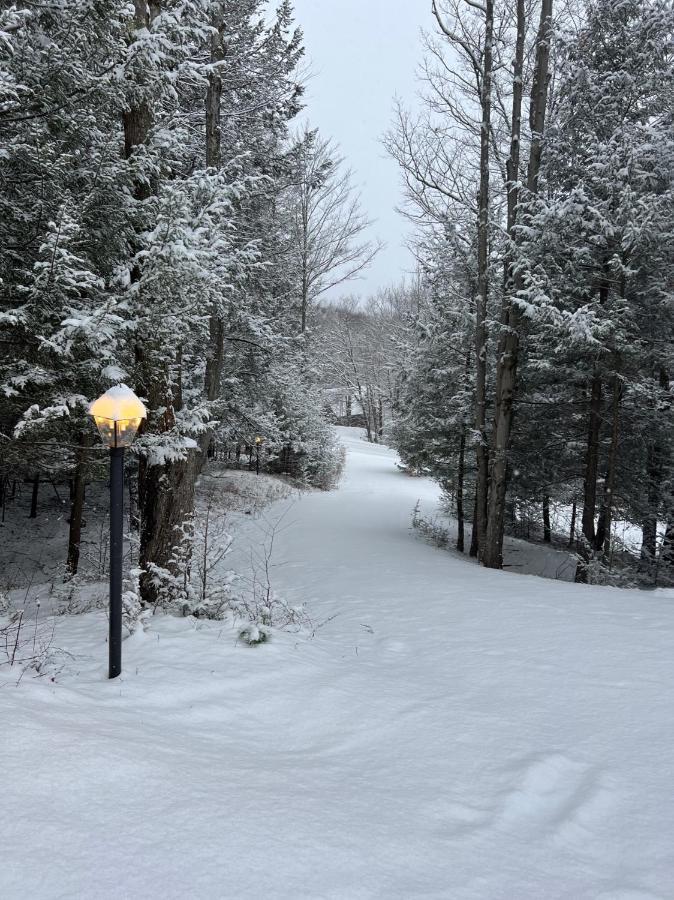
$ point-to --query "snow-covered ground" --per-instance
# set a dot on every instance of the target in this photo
(451, 733)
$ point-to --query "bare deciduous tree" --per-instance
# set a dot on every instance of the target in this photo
(328, 226)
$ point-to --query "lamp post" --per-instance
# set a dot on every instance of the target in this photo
(258, 442)
(118, 414)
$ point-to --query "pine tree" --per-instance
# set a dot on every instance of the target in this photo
(595, 290)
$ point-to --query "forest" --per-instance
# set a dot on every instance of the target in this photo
(171, 220)
(539, 174)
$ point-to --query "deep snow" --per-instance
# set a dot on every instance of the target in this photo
(450, 733)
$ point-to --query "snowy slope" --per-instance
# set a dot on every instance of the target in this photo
(451, 733)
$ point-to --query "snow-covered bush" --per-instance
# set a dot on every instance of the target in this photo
(324, 463)
(75, 596)
(253, 634)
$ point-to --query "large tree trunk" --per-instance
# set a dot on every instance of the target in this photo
(506, 374)
(166, 492)
(482, 298)
(77, 503)
(216, 326)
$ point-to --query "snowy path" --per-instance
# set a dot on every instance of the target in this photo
(451, 733)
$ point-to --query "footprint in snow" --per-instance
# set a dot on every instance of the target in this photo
(559, 793)
(455, 818)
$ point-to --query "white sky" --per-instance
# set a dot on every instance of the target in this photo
(362, 54)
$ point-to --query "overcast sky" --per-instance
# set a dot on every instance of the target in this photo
(363, 54)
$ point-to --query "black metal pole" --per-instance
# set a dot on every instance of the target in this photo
(116, 538)
(257, 459)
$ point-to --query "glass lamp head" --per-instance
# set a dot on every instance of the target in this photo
(118, 414)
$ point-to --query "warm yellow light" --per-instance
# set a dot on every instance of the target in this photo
(118, 414)
(258, 440)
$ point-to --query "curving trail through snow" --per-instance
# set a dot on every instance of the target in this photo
(448, 733)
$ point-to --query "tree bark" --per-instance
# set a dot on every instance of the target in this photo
(654, 473)
(132, 482)
(506, 374)
(77, 503)
(603, 535)
(666, 561)
(590, 480)
(216, 326)
(572, 529)
(304, 299)
(474, 535)
(547, 531)
(34, 495)
(460, 540)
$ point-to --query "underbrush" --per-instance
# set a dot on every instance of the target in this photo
(431, 529)
(198, 583)
(27, 643)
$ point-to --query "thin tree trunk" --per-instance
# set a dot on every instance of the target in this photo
(473, 534)
(649, 540)
(654, 471)
(482, 299)
(572, 529)
(506, 375)
(590, 480)
(547, 531)
(460, 540)
(132, 482)
(666, 561)
(305, 262)
(649, 527)
(77, 503)
(603, 535)
(366, 416)
(34, 496)
(592, 461)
